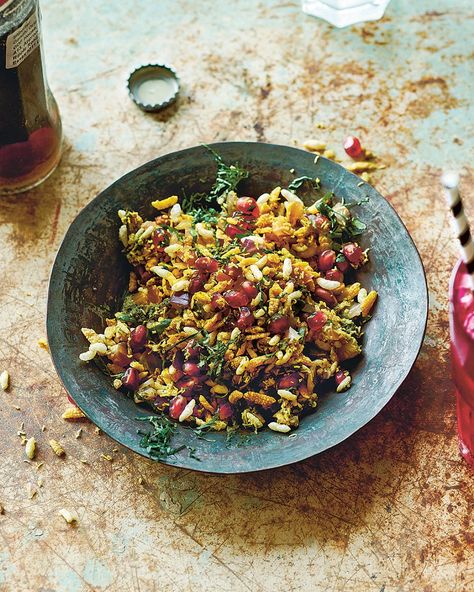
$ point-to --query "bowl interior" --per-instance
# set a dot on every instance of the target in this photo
(90, 274)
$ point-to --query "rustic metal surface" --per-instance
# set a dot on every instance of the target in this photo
(389, 509)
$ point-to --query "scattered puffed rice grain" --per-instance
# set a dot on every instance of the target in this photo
(78, 434)
(30, 448)
(274, 340)
(57, 448)
(180, 286)
(327, 284)
(362, 295)
(295, 295)
(345, 384)
(68, 516)
(175, 212)
(187, 411)
(87, 356)
(259, 313)
(123, 235)
(98, 348)
(287, 268)
(107, 457)
(288, 395)
(4, 380)
(257, 274)
(235, 333)
(263, 199)
(147, 232)
(73, 413)
(290, 196)
(279, 427)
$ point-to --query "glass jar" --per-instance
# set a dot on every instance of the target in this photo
(30, 126)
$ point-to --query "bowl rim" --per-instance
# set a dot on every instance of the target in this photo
(183, 461)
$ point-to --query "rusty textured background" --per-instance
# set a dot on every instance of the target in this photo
(388, 510)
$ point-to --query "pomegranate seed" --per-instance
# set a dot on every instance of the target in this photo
(353, 253)
(326, 296)
(177, 406)
(160, 237)
(191, 369)
(193, 349)
(279, 324)
(138, 338)
(232, 231)
(178, 360)
(326, 260)
(289, 381)
(119, 355)
(143, 273)
(236, 299)
(335, 275)
(187, 383)
(246, 319)
(206, 264)
(248, 206)
(225, 411)
(197, 282)
(218, 301)
(319, 221)
(130, 379)
(316, 321)
(248, 245)
(249, 288)
(233, 271)
(352, 147)
(342, 264)
(340, 376)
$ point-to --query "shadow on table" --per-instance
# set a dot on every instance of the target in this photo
(331, 496)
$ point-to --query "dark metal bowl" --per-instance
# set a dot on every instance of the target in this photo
(90, 275)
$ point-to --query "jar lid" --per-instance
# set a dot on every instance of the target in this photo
(153, 87)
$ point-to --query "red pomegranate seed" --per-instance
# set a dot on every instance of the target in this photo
(191, 369)
(130, 379)
(248, 206)
(206, 264)
(342, 264)
(249, 288)
(218, 301)
(340, 376)
(326, 296)
(177, 406)
(236, 299)
(232, 231)
(193, 348)
(225, 411)
(246, 319)
(187, 383)
(316, 321)
(138, 338)
(160, 237)
(352, 147)
(197, 282)
(248, 245)
(119, 355)
(233, 271)
(326, 260)
(289, 381)
(334, 275)
(278, 325)
(319, 221)
(353, 253)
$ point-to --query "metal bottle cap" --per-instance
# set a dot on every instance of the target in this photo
(153, 87)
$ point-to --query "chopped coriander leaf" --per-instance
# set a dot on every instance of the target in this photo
(139, 314)
(157, 442)
(299, 181)
(227, 177)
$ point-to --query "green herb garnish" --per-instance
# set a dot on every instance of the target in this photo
(213, 355)
(299, 181)
(227, 177)
(157, 442)
(156, 328)
(139, 314)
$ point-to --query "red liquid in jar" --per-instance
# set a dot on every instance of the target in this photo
(461, 320)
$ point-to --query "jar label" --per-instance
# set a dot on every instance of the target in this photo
(22, 42)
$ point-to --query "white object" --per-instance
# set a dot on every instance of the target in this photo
(342, 13)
